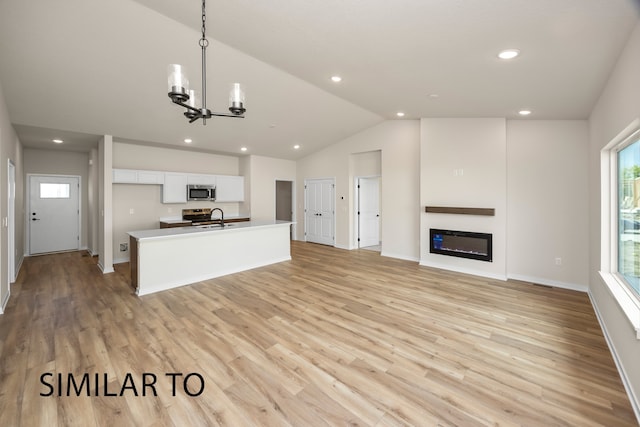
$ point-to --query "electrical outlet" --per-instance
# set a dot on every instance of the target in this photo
(124, 247)
(558, 261)
(131, 211)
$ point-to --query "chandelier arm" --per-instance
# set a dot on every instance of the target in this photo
(187, 106)
(238, 116)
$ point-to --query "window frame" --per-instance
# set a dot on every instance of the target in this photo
(624, 294)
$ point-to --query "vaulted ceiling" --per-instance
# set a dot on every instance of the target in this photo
(76, 69)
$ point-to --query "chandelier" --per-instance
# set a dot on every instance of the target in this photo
(180, 94)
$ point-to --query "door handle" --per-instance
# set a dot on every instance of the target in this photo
(35, 219)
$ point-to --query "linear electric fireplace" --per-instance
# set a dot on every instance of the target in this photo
(463, 244)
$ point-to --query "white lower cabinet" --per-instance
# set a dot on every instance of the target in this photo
(174, 189)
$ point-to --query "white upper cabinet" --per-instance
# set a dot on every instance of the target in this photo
(133, 176)
(174, 189)
(199, 179)
(229, 188)
(150, 177)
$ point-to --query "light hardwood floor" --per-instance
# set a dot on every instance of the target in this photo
(333, 337)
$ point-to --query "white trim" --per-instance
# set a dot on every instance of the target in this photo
(625, 297)
(547, 282)
(105, 271)
(633, 399)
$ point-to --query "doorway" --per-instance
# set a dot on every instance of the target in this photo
(284, 202)
(11, 222)
(368, 212)
(319, 217)
(54, 213)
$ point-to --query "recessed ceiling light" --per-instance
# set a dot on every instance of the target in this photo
(296, 147)
(508, 54)
(524, 112)
(188, 141)
(336, 79)
(400, 114)
(58, 141)
(243, 149)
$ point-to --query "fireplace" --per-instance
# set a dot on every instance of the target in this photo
(463, 244)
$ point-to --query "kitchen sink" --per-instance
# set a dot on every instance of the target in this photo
(214, 226)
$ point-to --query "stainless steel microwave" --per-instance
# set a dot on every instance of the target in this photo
(201, 192)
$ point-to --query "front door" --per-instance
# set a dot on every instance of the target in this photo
(54, 213)
(319, 213)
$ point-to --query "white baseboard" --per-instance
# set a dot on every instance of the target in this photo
(547, 282)
(633, 399)
(105, 270)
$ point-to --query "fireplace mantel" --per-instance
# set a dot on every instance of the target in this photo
(460, 211)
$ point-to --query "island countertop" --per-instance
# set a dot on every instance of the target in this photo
(166, 258)
(159, 233)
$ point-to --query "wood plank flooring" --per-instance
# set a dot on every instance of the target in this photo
(331, 338)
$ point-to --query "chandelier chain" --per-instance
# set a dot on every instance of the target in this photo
(203, 41)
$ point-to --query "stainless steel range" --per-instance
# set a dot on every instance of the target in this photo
(202, 216)
(196, 215)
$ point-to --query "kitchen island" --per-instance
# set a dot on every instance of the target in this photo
(166, 258)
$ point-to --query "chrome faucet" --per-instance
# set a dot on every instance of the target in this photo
(221, 215)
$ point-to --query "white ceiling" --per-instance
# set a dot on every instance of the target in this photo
(85, 68)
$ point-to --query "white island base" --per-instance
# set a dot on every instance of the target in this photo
(167, 258)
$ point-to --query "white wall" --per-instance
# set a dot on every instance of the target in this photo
(58, 162)
(10, 149)
(463, 164)
(399, 142)
(617, 107)
(262, 176)
(547, 202)
(366, 164)
(146, 200)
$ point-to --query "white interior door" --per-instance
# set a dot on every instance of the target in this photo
(11, 222)
(54, 213)
(319, 212)
(369, 211)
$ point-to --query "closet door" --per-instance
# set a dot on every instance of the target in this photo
(319, 211)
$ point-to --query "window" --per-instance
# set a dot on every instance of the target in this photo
(629, 212)
(54, 190)
(620, 220)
